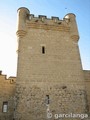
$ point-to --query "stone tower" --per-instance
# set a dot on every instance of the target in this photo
(49, 77)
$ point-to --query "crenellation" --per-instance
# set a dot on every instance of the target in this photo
(55, 18)
(31, 16)
(42, 19)
(42, 16)
(68, 21)
(45, 19)
(4, 79)
(51, 20)
(47, 24)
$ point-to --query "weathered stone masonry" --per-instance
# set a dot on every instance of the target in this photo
(7, 93)
(50, 78)
(48, 65)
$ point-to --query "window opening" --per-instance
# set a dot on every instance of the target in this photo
(43, 49)
(5, 106)
(47, 99)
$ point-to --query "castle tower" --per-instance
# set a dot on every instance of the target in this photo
(49, 77)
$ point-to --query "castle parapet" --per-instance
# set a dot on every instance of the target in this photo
(27, 20)
(5, 80)
(44, 19)
(42, 22)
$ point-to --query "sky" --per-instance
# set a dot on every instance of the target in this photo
(58, 8)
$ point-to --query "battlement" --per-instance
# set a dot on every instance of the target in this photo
(42, 22)
(4, 79)
(27, 21)
(44, 18)
(41, 17)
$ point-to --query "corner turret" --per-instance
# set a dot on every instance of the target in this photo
(71, 19)
(22, 16)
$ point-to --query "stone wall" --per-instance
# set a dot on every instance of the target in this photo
(59, 95)
(56, 72)
(50, 79)
(7, 92)
(63, 100)
(87, 83)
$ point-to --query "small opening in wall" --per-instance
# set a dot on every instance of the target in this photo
(5, 107)
(64, 87)
(43, 49)
(47, 99)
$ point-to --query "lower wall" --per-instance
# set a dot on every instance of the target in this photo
(7, 92)
(87, 83)
(31, 100)
(64, 99)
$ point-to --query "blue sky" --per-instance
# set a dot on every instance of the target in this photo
(59, 8)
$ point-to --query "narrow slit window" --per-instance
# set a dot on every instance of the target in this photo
(47, 99)
(43, 49)
(5, 107)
